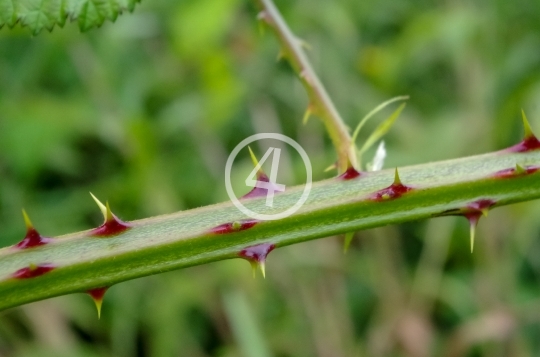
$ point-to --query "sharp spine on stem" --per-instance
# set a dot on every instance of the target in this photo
(97, 296)
(256, 256)
(32, 237)
(112, 225)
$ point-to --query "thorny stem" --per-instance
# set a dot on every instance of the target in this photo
(319, 101)
(84, 261)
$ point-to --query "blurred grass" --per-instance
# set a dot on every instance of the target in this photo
(145, 111)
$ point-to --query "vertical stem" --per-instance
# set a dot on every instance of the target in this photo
(319, 102)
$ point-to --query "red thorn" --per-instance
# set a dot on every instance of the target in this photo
(32, 238)
(260, 191)
(112, 225)
(350, 174)
(479, 206)
(473, 211)
(516, 171)
(33, 271)
(473, 217)
(236, 226)
(110, 228)
(391, 192)
(528, 144)
(395, 190)
(261, 177)
(256, 255)
(97, 295)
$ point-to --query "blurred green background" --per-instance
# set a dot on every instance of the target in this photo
(144, 112)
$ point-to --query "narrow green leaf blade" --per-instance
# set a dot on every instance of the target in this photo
(382, 129)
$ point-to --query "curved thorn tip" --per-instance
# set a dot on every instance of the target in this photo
(256, 256)
(254, 159)
(108, 215)
(397, 180)
(97, 296)
(473, 222)
(528, 133)
(101, 206)
(27, 221)
(253, 268)
(98, 304)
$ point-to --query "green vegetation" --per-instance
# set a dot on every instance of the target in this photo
(113, 110)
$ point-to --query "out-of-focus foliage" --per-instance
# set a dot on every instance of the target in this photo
(144, 112)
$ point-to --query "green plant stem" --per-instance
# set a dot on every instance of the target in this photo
(319, 101)
(335, 206)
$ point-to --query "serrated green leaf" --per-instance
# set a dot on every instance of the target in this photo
(8, 13)
(40, 14)
(45, 14)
